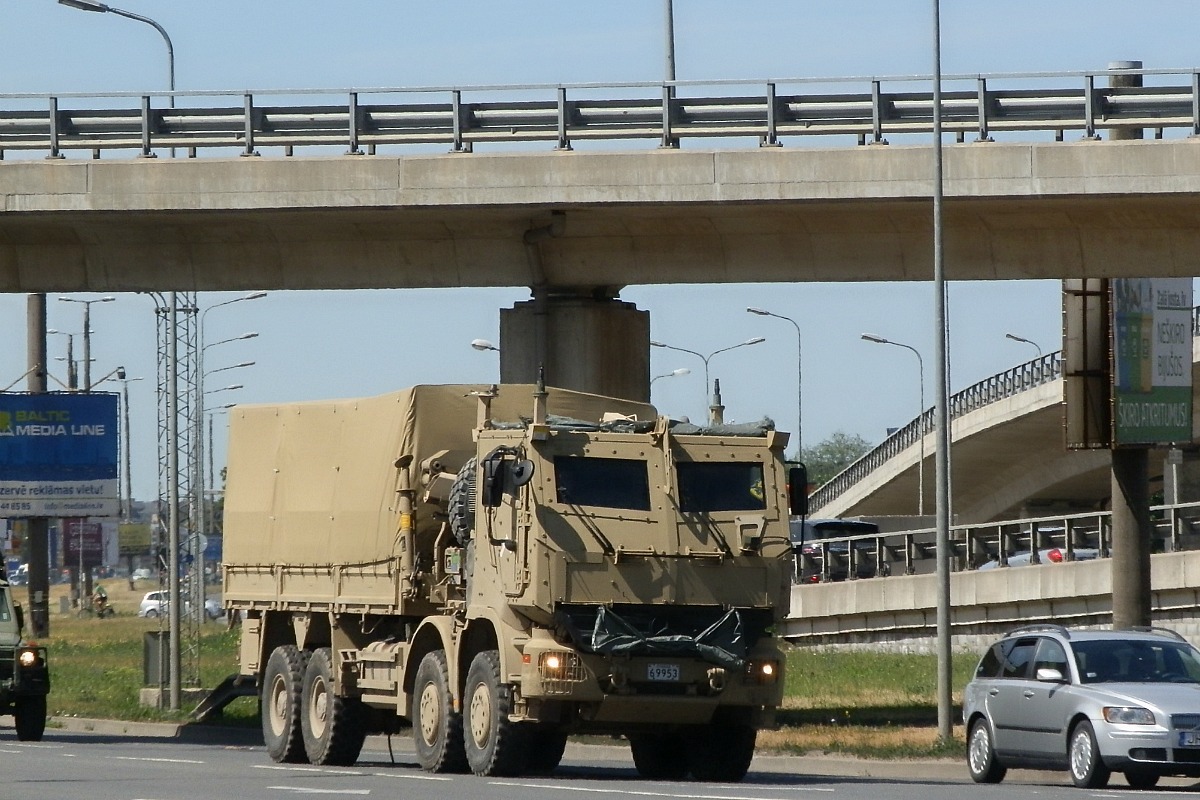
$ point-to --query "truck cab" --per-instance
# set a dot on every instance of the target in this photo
(24, 674)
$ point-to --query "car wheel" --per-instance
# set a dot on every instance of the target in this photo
(1141, 778)
(721, 752)
(981, 756)
(659, 756)
(495, 745)
(30, 717)
(1083, 754)
(151, 613)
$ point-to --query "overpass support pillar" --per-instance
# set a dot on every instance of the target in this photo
(588, 340)
(1130, 537)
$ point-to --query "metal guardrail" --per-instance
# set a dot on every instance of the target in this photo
(1176, 528)
(459, 117)
(998, 387)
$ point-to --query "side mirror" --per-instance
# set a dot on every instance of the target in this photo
(1050, 675)
(19, 613)
(798, 490)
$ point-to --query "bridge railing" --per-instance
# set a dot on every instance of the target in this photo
(998, 387)
(1024, 376)
(559, 114)
(991, 545)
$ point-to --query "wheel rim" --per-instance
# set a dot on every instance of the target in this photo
(318, 707)
(481, 716)
(431, 714)
(278, 705)
(979, 749)
(1081, 755)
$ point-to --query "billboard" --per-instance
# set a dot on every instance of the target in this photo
(58, 455)
(1152, 360)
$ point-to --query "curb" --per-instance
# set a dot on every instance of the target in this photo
(948, 770)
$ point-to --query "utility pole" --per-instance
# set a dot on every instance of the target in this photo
(39, 527)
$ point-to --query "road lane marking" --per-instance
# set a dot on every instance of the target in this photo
(304, 790)
(159, 760)
(412, 777)
(560, 787)
(317, 770)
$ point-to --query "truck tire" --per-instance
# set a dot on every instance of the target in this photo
(30, 716)
(283, 686)
(546, 747)
(437, 727)
(461, 506)
(333, 727)
(496, 746)
(659, 756)
(721, 752)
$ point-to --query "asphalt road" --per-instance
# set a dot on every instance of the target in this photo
(125, 761)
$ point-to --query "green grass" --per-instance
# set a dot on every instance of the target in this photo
(880, 705)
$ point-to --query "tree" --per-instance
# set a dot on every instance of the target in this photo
(833, 455)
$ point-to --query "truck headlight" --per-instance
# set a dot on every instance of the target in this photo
(560, 671)
(764, 672)
(27, 658)
(1129, 715)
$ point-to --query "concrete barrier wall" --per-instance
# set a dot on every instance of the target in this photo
(900, 612)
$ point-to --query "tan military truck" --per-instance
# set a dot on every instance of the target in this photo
(503, 567)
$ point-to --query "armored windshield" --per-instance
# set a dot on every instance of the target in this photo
(721, 486)
(603, 482)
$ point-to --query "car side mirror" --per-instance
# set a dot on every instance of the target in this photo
(798, 491)
(1050, 675)
(20, 615)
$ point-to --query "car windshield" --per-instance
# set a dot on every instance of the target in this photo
(604, 482)
(720, 486)
(1127, 660)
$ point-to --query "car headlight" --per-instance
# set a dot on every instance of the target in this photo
(1128, 715)
(28, 658)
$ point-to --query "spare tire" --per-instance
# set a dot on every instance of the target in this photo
(462, 503)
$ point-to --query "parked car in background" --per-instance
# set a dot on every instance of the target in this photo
(809, 547)
(1092, 702)
(1048, 555)
(156, 604)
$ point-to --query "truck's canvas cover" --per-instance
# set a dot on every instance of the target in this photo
(315, 483)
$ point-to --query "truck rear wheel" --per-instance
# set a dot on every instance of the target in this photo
(495, 745)
(30, 714)
(283, 686)
(437, 727)
(721, 752)
(332, 726)
(659, 756)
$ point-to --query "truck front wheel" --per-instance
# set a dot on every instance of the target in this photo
(437, 727)
(332, 726)
(495, 744)
(30, 716)
(282, 686)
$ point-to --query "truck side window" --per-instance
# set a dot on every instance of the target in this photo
(720, 486)
(603, 482)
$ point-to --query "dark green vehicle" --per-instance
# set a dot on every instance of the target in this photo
(24, 673)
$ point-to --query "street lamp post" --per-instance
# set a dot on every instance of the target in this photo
(799, 377)
(1016, 338)
(87, 335)
(484, 344)
(870, 337)
(706, 358)
(101, 8)
(72, 367)
(675, 373)
(127, 494)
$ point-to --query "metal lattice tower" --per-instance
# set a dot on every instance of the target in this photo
(184, 445)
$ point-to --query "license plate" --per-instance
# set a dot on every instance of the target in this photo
(662, 672)
(1189, 738)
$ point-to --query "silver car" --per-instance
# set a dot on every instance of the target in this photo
(1092, 702)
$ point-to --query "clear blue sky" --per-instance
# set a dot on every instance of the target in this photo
(356, 343)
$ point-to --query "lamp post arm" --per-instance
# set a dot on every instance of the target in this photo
(162, 32)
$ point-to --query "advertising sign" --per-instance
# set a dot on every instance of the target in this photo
(80, 533)
(134, 538)
(1152, 360)
(58, 455)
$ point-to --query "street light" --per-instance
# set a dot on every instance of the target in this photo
(125, 441)
(870, 337)
(87, 333)
(799, 377)
(484, 344)
(1016, 338)
(705, 358)
(101, 8)
(675, 373)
